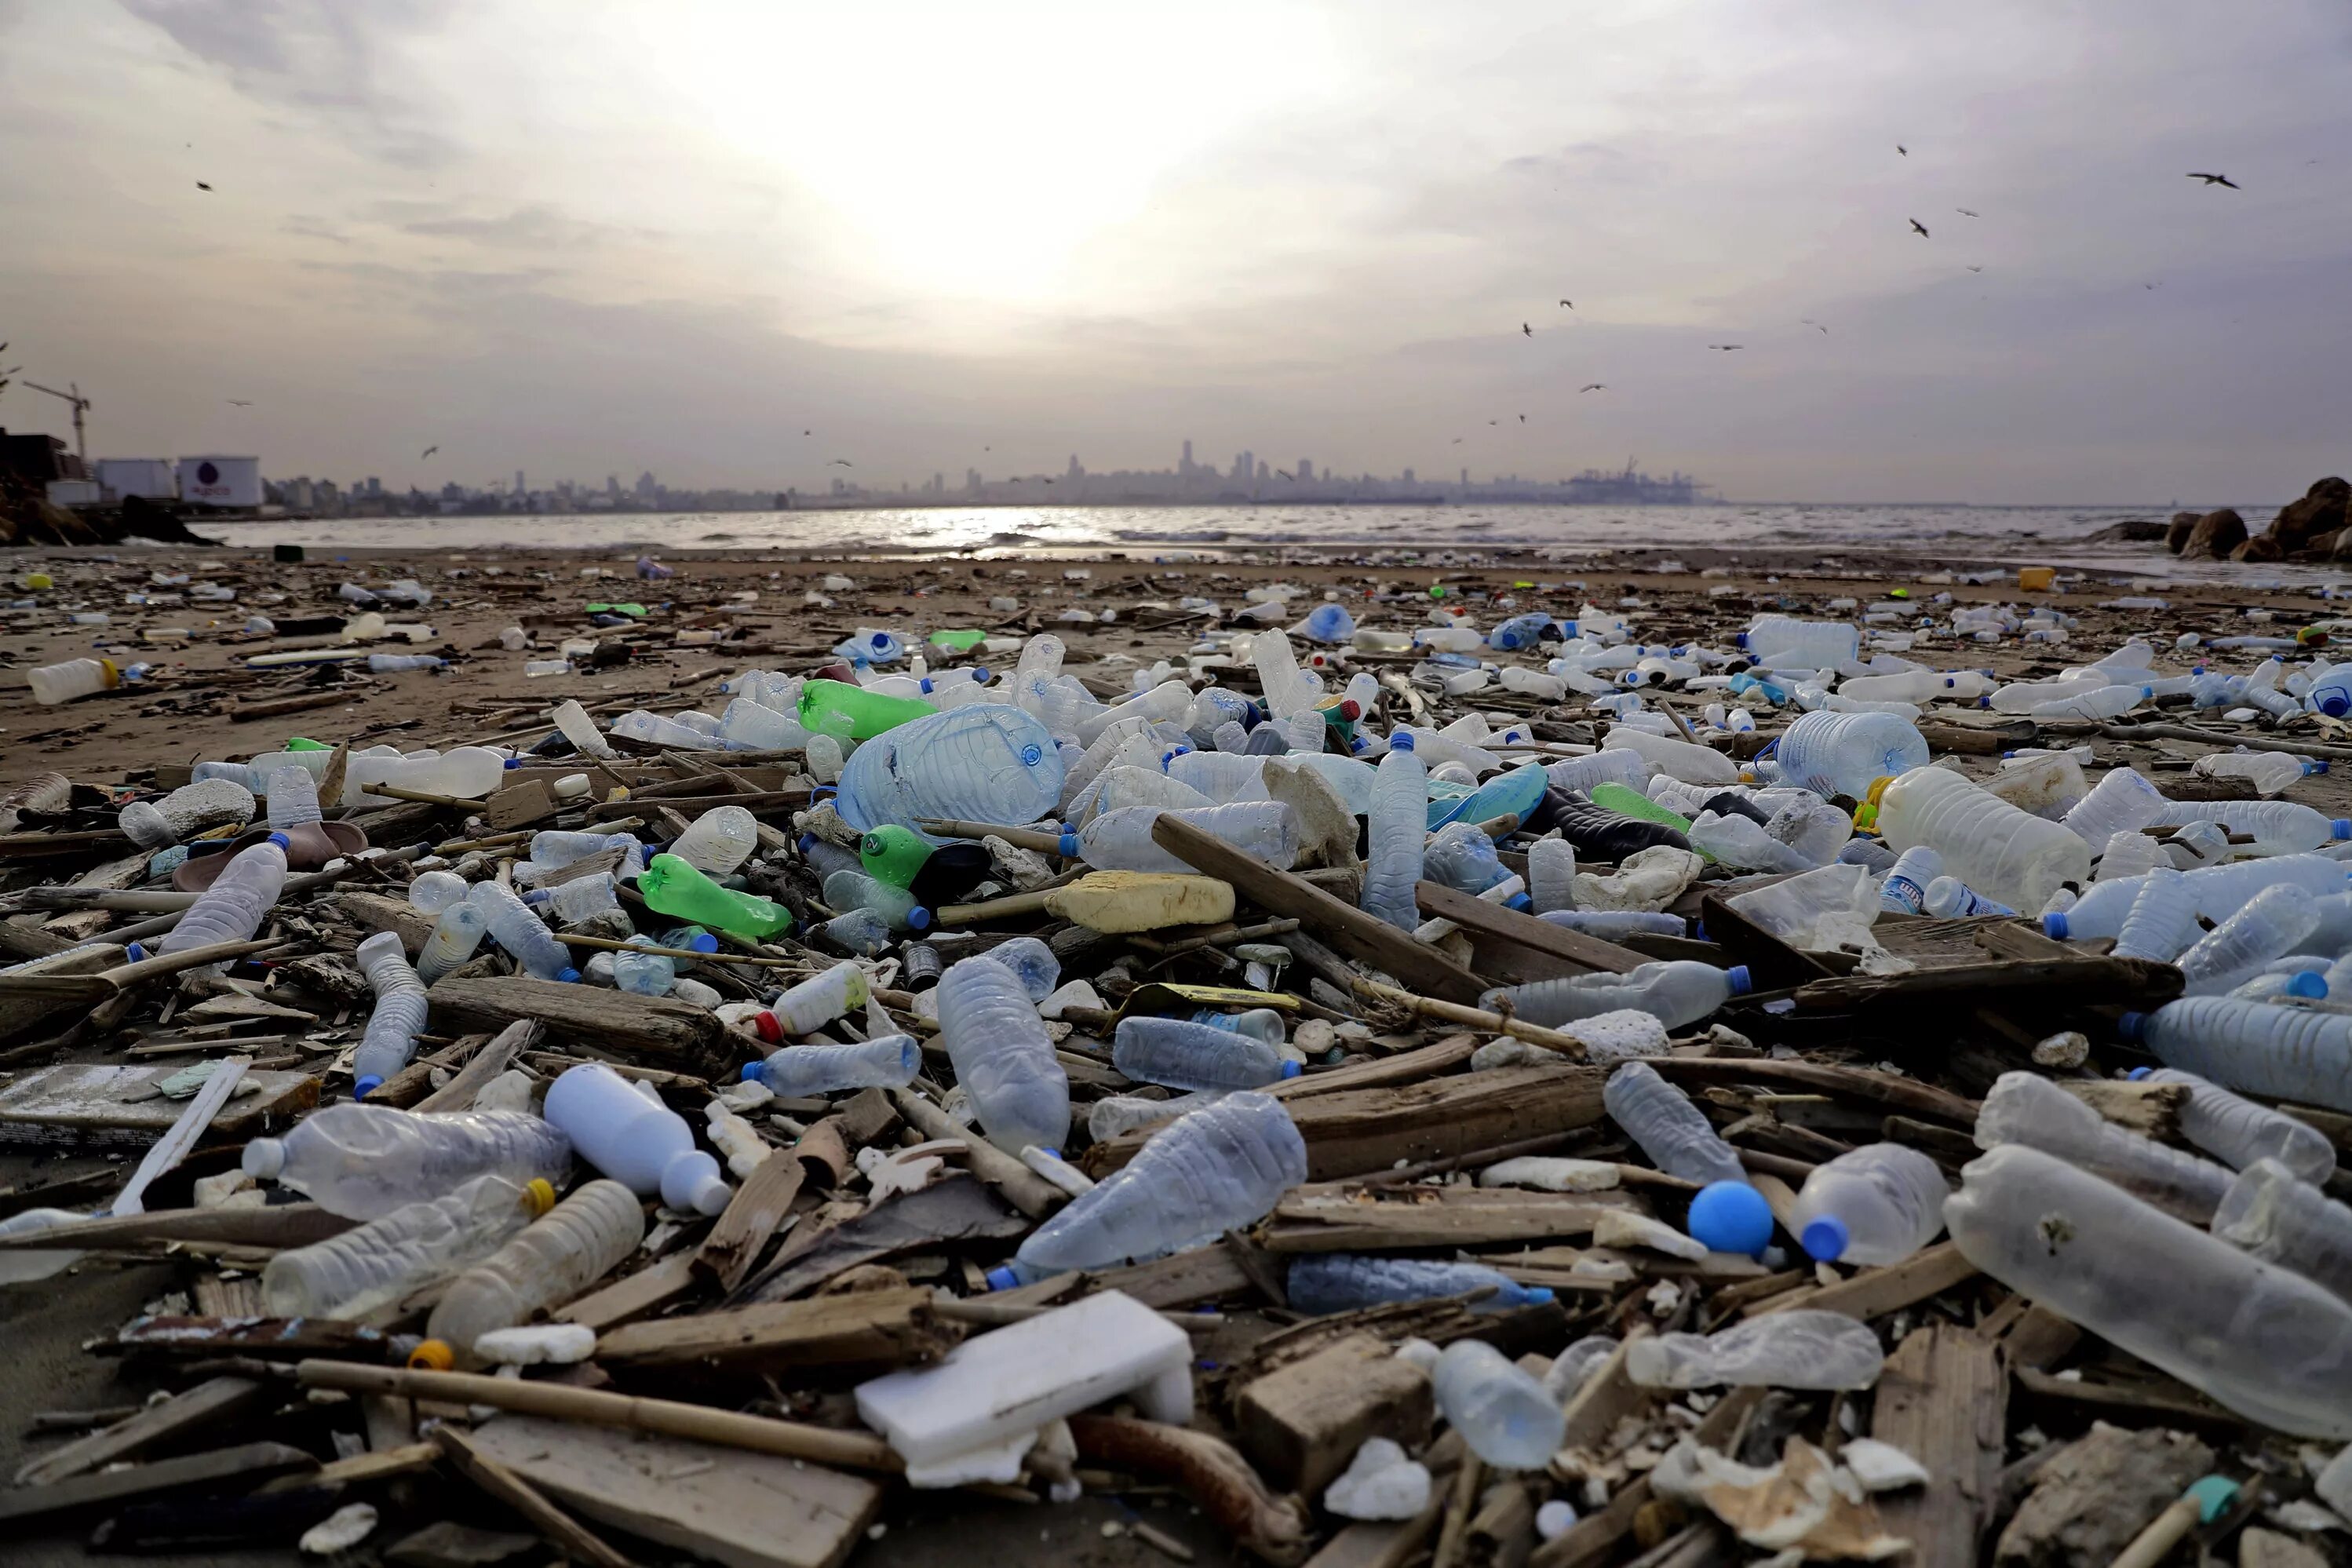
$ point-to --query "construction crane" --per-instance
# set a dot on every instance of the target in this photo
(81, 447)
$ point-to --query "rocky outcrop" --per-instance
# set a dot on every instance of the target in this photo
(2262, 547)
(2322, 510)
(2215, 534)
(2176, 536)
(2134, 531)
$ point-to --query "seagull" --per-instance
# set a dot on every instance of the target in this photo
(239, 403)
(1527, 329)
(1920, 226)
(427, 453)
(1592, 387)
(841, 463)
(202, 186)
(2217, 180)
(1965, 213)
(1976, 269)
(1523, 418)
(1725, 348)
(1566, 305)
(1902, 149)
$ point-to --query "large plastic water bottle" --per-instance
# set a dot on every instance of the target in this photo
(1120, 840)
(2219, 891)
(2162, 920)
(1845, 753)
(1502, 1413)
(1179, 1054)
(2284, 1220)
(633, 1137)
(2025, 1107)
(2259, 1339)
(2330, 691)
(2122, 801)
(2003, 853)
(556, 1258)
(856, 890)
(1003, 1056)
(1675, 1133)
(2257, 1047)
(1802, 1350)
(522, 933)
(1552, 874)
(2278, 826)
(377, 1264)
(813, 1002)
(2239, 1132)
(982, 762)
(398, 1017)
(2268, 925)
(1905, 891)
(455, 935)
(1323, 1283)
(1876, 1206)
(886, 1061)
(1398, 830)
(234, 906)
(1919, 686)
(718, 840)
(1221, 1168)
(1786, 642)
(364, 1161)
(1676, 991)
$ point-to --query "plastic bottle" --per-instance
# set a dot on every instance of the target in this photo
(2259, 1339)
(2330, 691)
(1799, 1350)
(468, 772)
(886, 1061)
(640, 725)
(435, 891)
(1581, 775)
(1397, 827)
(20, 1265)
(2002, 852)
(582, 898)
(671, 887)
(56, 683)
(1257, 1023)
(1676, 991)
(1121, 840)
(1875, 1206)
(1222, 1167)
(556, 848)
(896, 906)
(1323, 1283)
(2278, 826)
(456, 934)
(2276, 1216)
(240, 899)
(1786, 642)
(2255, 1047)
(1740, 843)
(1949, 897)
(635, 1139)
(1844, 753)
(2269, 772)
(1503, 1414)
(1615, 925)
(398, 1017)
(2267, 926)
(2162, 920)
(2219, 891)
(1905, 891)
(1675, 1133)
(1179, 1054)
(2122, 801)
(554, 1259)
(1032, 961)
(1918, 686)
(520, 932)
(642, 973)
(579, 729)
(2025, 1107)
(363, 1161)
(1003, 1056)
(2238, 1132)
(1690, 763)
(1552, 874)
(851, 712)
(718, 840)
(894, 854)
(377, 1264)
(813, 1002)
(982, 762)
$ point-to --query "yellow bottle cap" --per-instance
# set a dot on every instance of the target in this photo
(539, 1194)
(433, 1355)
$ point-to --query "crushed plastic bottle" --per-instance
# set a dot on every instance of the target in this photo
(635, 1139)
(1177, 1053)
(1675, 1133)
(1003, 1056)
(554, 1259)
(1845, 753)
(2238, 1132)
(377, 1264)
(982, 762)
(2279, 1218)
(363, 1161)
(1799, 1350)
(1502, 1413)
(1552, 874)
(522, 933)
(886, 1061)
(1875, 1206)
(1121, 840)
(1323, 1283)
(718, 840)
(1677, 992)
(398, 1017)
(2268, 925)
(2026, 1108)
(2162, 920)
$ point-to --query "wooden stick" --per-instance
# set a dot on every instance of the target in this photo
(1566, 1044)
(989, 909)
(1018, 837)
(567, 1534)
(610, 946)
(1030, 1193)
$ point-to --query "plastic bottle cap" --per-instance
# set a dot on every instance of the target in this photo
(2308, 985)
(2336, 704)
(1031, 754)
(919, 918)
(363, 1088)
(1519, 901)
(433, 1355)
(1740, 983)
(1068, 847)
(538, 1194)
(702, 941)
(2341, 827)
(1291, 1069)
(2054, 926)
(2132, 1025)
(1003, 1278)
(136, 953)
(979, 676)
(567, 976)
(283, 842)
(1826, 1239)
(1731, 1217)
(1401, 741)
(2139, 1073)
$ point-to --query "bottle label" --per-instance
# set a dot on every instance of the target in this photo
(1901, 892)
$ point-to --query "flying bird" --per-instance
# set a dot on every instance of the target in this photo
(1920, 226)
(202, 186)
(841, 463)
(1976, 269)
(2217, 180)
(804, 432)
(1724, 347)
(1593, 386)
(1523, 418)
(1965, 213)
(1527, 329)
(239, 403)
(1568, 305)
(1457, 440)
(427, 453)
(1283, 474)
(1493, 421)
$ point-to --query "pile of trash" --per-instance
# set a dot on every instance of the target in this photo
(1405, 1073)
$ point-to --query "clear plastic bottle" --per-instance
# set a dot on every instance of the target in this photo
(2255, 1047)
(1003, 1056)
(1398, 827)
(2279, 1218)
(1949, 897)
(1323, 1283)
(364, 1161)
(1034, 962)
(1116, 1114)
(435, 891)
(1177, 1053)
(886, 1061)
(2278, 826)
(640, 725)
(1461, 856)
(718, 840)
(1581, 775)
(1615, 925)
(856, 890)
(2025, 1107)
(1552, 874)
(2221, 891)
(556, 848)
(1844, 753)
(861, 931)
(1689, 762)
(2238, 1132)
(398, 1017)
(1120, 840)
(1799, 1349)
(813, 1002)
(1742, 844)
(522, 932)
(554, 1259)
(240, 899)
(2266, 926)
(1787, 642)
(1918, 686)
(1220, 1168)
(1258, 1024)
(377, 1264)
(982, 762)
(579, 729)
(643, 974)
(1503, 1414)
(582, 899)
(1875, 1206)
(2162, 921)
(2003, 853)
(466, 772)
(22, 1265)
(2263, 1340)
(455, 935)
(1905, 891)
(1675, 1133)
(1676, 991)
(2122, 801)
(633, 1137)
(2269, 773)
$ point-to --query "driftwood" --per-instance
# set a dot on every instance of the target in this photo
(675, 1033)
(864, 1332)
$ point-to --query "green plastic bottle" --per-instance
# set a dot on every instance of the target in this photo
(1634, 802)
(673, 887)
(893, 854)
(835, 708)
(963, 640)
(300, 743)
(635, 611)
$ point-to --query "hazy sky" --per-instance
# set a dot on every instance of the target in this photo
(580, 237)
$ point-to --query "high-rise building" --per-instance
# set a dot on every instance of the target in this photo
(1184, 467)
(520, 489)
(1408, 476)
(971, 481)
(1465, 477)
(375, 486)
(1265, 472)
(1075, 470)
(1305, 470)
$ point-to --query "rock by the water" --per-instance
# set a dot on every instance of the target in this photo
(2216, 534)
(2262, 547)
(2175, 532)
(2322, 510)
(2132, 530)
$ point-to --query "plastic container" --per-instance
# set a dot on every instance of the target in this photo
(555, 1258)
(1322, 1283)
(1677, 992)
(2282, 1219)
(1905, 891)
(1220, 1168)
(2122, 801)
(982, 762)
(1795, 1350)
(1003, 1056)
(813, 1002)
(1397, 829)
(642, 973)
(2269, 925)
(2256, 1048)
(1874, 1206)
(1680, 759)
(582, 898)
(2260, 1340)
(556, 849)
(894, 854)
(1786, 642)
(632, 1137)
(1949, 897)
(1120, 840)
(2269, 773)
(56, 683)
(1177, 1053)
(1503, 1414)
(886, 1061)
(2330, 691)
(520, 932)
(718, 840)
(2219, 891)
(1552, 874)
(363, 1161)
(896, 906)
(577, 727)
(2162, 920)
(1845, 753)
(2025, 1107)
(455, 935)
(1034, 962)
(240, 899)
(2239, 1132)
(468, 772)
(377, 1264)
(2278, 826)
(2002, 852)
(1740, 843)
(671, 887)
(437, 890)
(398, 1017)
(1614, 925)
(1675, 1133)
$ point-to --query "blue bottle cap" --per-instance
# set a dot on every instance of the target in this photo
(2314, 765)
(1291, 1069)
(282, 841)
(2139, 1073)
(751, 1071)
(2132, 1026)
(2309, 986)
(1825, 1239)
(513, 763)
(1401, 741)
(567, 976)
(1068, 847)
(1519, 901)
(2341, 827)
(135, 951)
(919, 918)
(702, 941)
(1003, 1278)
(363, 1088)
(1731, 1217)
(926, 685)
(2335, 703)
(2054, 926)
(980, 674)
(1740, 983)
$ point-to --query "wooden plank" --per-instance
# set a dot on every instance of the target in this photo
(215, 1400)
(749, 1221)
(564, 1533)
(1347, 1217)
(1588, 955)
(240, 1467)
(99, 1103)
(1405, 1066)
(1301, 1424)
(1186, 1280)
(646, 1291)
(1853, 1083)
(744, 1509)
(277, 1225)
(362, 1469)
(264, 1339)
(1874, 1292)
(2074, 980)
(1944, 1400)
(1349, 930)
(873, 1329)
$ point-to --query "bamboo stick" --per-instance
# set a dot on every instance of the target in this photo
(1566, 1044)
(1018, 837)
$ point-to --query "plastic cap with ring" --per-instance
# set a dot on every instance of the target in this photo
(1291, 1069)
(1068, 847)
(919, 918)
(1730, 1217)
(1740, 983)
(432, 1355)
(1003, 1278)
(283, 842)
(1826, 1239)
(363, 1088)
(2054, 926)
(2308, 984)
(539, 1195)
(764, 1025)
(1401, 741)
